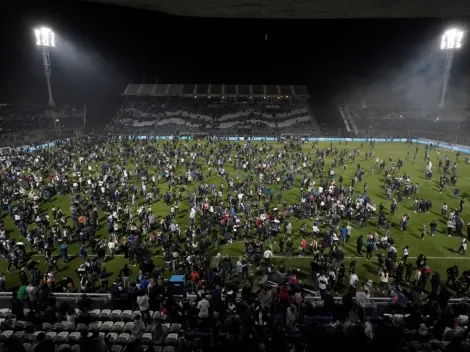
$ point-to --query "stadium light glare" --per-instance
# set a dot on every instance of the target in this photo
(452, 39)
(44, 37)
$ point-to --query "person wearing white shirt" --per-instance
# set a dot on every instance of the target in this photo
(406, 253)
(353, 280)
(268, 254)
(203, 307)
(322, 283)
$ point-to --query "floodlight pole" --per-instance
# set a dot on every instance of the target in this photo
(447, 69)
(46, 61)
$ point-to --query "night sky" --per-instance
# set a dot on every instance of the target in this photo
(100, 49)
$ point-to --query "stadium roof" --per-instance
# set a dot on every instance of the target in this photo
(302, 8)
(216, 90)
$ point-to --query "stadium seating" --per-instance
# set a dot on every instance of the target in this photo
(222, 118)
(444, 125)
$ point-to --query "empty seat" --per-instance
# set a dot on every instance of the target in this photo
(129, 326)
(171, 339)
(116, 348)
(74, 336)
(5, 312)
(95, 325)
(95, 313)
(175, 327)
(19, 335)
(118, 326)
(116, 315)
(106, 326)
(61, 337)
(463, 319)
(123, 338)
(51, 335)
(47, 326)
(63, 347)
(147, 338)
(60, 326)
(70, 327)
(126, 315)
(104, 314)
(6, 335)
(75, 348)
(82, 327)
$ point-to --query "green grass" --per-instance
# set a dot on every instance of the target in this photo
(440, 247)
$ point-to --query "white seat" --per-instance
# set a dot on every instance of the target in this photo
(95, 313)
(61, 337)
(19, 335)
(95, 325)
(82, 327)
(5, 312)
(60, 326)
(74, 336)
(118, 326)
(6, 335)
(34, 337)
(106, 326)
(51, 335)
(126, 314)
(123, 338)
(134, 314)
(116, 315)
(147, 338)
(171, 339)
(175, 327)
(75, 348)
(47, 326)
(25, 312)
(20, 324)
(129, 326)
(63, 347)
(70, 327)
(462, 319)
(112, 336)
(105, 314)
(2, 320)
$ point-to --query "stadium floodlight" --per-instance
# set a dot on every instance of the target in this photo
(45, 39)
(451, 41)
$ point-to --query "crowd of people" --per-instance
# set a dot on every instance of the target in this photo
(217, 117)
(224, 302)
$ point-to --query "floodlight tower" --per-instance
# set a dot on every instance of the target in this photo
(45, 38)
(451, 41)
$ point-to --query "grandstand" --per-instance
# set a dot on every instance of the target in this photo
(216, 108)
(450, 125)
(29, 124)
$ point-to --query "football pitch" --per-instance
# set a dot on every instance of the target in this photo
(439, 249)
